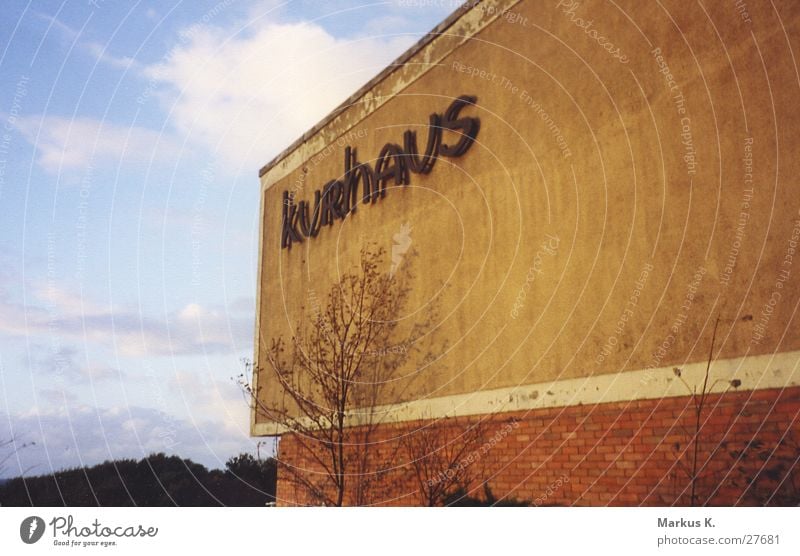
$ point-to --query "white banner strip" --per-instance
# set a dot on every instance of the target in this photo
(401, 531)
(756, 372)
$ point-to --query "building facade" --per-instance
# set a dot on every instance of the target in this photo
(600, 201)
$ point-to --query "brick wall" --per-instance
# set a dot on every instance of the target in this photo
(627, 453)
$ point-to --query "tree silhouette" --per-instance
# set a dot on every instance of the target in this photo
(334, 372)
(446, 458)
(157, 480)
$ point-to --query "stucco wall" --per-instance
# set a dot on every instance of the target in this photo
(620, 196)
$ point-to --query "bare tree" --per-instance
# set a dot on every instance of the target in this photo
(334, 373)
(694, 468)
(11, 448)
(445, 456)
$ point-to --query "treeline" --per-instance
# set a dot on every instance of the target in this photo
(157, 480)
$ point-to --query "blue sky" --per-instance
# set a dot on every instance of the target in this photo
(131, 134)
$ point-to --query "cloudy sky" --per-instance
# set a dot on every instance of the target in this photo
(131, 134)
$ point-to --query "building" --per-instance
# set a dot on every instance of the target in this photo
(608, 184)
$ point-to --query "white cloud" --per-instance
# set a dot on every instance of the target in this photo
(64, 299)
(202, 394)
(67, 32)
(57, 397)
(98, 51)
(247, 95)
(65, 364)
(102, 54)
(64, 143)
(192, 330)
(71, 435)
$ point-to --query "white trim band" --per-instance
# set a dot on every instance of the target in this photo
(756, 372)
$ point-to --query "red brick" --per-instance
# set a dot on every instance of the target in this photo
(631, 463)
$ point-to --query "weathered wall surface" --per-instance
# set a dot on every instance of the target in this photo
(633, 179)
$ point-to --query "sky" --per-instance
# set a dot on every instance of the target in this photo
(131, 135)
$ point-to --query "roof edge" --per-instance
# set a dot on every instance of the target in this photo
(384, 73)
